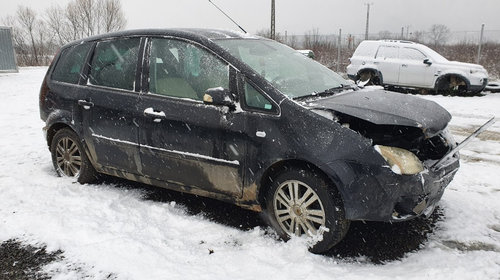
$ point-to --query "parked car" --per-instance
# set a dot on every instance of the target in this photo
(409, 64)
(308, 53)
(248, 121)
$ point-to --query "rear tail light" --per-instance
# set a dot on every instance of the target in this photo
(44, 89)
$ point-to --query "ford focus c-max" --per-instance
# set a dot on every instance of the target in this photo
(248, 121)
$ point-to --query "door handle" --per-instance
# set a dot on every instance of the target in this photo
(376, 62)
(156, 115)
(85, 104)
(404, 65)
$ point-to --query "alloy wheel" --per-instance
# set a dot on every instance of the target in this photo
(298, 208)
(68, 157)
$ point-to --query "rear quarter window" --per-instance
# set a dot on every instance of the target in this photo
(366, 49)
(69, 66)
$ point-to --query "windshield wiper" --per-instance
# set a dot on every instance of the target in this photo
(327, 92)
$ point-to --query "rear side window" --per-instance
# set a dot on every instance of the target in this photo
(366, 49)
(114, 63)
(70, 64)
(387, 52)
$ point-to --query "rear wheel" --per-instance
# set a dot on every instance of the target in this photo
(69, 158)
(367, 78)
(301, 202)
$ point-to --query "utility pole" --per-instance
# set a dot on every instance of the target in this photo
(480, 43)
(273, 30)
(367, 18)
(339, 53)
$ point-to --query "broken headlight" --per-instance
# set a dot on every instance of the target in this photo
(401, 161)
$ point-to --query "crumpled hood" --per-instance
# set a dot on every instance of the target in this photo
(388, 108)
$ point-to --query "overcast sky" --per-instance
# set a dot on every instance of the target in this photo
(300, 16)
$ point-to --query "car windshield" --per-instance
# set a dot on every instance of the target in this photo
(289, 71)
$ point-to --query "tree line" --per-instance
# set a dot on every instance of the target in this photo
(38, 35)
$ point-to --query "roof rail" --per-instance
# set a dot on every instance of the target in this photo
(397, 41)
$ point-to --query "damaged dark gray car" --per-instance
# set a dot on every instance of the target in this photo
(248, 121)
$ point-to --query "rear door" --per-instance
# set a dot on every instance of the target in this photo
(387, 63)
(182, 140)
(111, 123)
(67, 83)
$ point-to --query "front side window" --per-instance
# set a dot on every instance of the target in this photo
(411, 54)
(70, 64)
(255, 100)
(181, 69)
(114, 63)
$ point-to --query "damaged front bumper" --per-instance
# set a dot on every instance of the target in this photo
(379, 194)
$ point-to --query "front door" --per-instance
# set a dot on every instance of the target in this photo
(413, 71)
(182, 140)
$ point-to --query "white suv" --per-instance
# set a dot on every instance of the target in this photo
(409, 64)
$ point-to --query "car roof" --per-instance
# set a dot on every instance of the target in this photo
(188, 33)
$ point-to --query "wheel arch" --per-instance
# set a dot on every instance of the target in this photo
(54, 128)
(282, 165)
(372, 69)
(57, 120)
(448, 75)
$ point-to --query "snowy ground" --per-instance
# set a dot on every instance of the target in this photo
(121, 229)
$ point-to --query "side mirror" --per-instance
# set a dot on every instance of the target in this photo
(219, 96)
(427, 61)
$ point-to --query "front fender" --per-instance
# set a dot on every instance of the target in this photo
(446, 74)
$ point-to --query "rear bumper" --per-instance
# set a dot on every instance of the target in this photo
(382, 195)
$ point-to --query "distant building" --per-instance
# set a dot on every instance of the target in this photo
(7, 54)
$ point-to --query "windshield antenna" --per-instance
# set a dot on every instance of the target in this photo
(228, 16)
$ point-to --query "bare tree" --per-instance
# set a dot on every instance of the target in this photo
(113, 16)
(83, 18)
(37, 38)
(57, 23)
(27, 20)
(312, 39)
(418, 36)
(439, 34)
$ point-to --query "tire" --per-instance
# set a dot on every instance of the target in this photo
(452, 85)
(367, 78)
(288, 214)
(69, 157)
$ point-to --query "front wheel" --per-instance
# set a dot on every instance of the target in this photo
(69, 158)
(301, 202)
